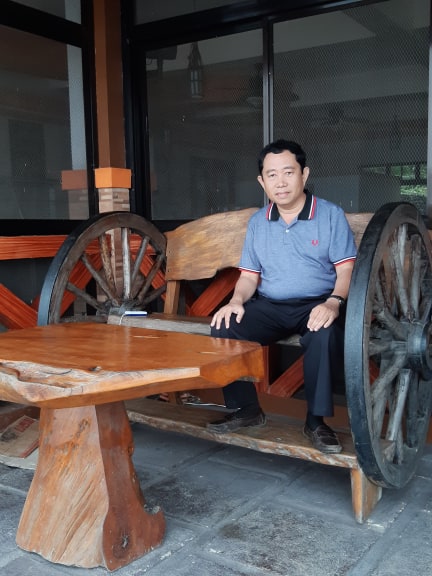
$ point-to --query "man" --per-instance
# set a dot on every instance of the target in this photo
(296, 268)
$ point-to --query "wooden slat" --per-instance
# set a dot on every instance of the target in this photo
(162, 321)
(14, 313)
(281, 435)
(146, 267)
(201, 248)
(216, 293)
(290, 381)
(21, 247)
(358, 222)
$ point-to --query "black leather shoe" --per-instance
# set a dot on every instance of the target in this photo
(323, 439)
(237, 420)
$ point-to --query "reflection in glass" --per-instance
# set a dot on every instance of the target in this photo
(41, 127)
(203, 150)
(361, 80)
(68, 9)
(153, 10)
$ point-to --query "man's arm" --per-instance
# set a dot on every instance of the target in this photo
(343, 279)
(243, 291)
(326, 313)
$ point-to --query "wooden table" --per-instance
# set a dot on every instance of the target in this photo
(85, 505)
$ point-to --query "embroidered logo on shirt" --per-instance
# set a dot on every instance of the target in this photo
(314, 242)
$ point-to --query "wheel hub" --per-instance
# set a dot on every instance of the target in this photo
(419, 347)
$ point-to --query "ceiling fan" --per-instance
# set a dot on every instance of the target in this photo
(337, 119)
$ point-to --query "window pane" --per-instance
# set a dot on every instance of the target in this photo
(152, 10)
(408, 172)
(41, 128)
(376, 169)
(68, 9)
(416, 194)
(396, 171)
(205, 126)
(352, 87)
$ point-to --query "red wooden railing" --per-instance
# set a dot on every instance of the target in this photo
(14, 312)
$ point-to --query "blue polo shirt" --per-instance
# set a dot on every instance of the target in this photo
(299, 259)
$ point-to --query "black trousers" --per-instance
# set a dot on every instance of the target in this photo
(267, 321)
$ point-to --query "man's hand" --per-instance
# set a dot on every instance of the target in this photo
(244, 290)
(225, 314)
(323, 315)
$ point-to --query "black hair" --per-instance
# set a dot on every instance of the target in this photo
(280, 146)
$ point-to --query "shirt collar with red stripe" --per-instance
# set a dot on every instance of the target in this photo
(307, 212)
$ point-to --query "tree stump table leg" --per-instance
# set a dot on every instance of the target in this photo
(85, 506)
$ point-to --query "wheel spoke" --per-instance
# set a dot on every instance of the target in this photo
(397, 249)
(382, 306)
(126, 260)
(378, 346)
(399, 449)
(412, 411)
(151, 296)
(396, 329)
(379, 390)
(136, 274)
(397, 405)
(416, 273)
(105, 252)
(100, 280)
(150, 276)
(87, 298)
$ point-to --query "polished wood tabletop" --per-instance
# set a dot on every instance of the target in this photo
(80, 364)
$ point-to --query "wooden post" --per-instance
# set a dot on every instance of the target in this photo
(365, 494)
(109, 83)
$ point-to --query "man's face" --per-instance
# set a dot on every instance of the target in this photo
(282, 179)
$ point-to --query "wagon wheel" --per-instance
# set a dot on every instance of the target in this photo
(112, 263)
(388, 364)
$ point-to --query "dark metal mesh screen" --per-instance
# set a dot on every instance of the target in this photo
(42, 128)
(205, 122)
(352, 87)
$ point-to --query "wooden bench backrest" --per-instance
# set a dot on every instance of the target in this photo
(358, 222)
(201, 248)
(198, 250)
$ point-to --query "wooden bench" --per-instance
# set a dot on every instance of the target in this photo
(210, 248)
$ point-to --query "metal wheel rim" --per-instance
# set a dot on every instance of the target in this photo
(390, 415)
(73, 253)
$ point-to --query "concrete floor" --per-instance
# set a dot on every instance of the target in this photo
(235, 512)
